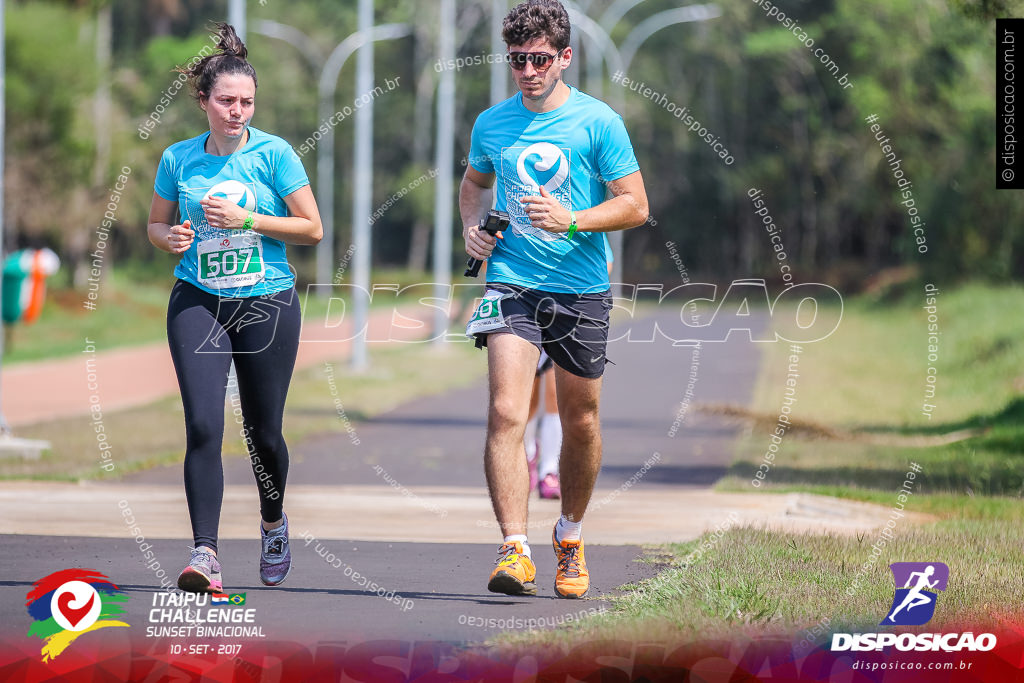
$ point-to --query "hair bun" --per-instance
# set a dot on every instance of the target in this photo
(229, 43)
(229, 59)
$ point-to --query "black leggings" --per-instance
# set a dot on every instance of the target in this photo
(261, 335)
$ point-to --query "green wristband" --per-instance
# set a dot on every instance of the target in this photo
(248, 223)
(572, 226)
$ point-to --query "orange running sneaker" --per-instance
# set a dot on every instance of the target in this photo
(515, 572)
(572, 580)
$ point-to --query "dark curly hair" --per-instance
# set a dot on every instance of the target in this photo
(229, 59)
(537, 19)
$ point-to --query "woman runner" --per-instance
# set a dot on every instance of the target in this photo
(242, 195)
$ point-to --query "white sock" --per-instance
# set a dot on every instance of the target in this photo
(522, 539)
(550, 444)
(530, 438)
(568, 531)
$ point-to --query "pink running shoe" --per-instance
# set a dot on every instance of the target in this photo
(202, 575)
(549, 487)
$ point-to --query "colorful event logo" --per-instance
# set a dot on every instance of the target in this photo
(68, 603)
(916, 586)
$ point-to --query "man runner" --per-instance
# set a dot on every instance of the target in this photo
(554, 152)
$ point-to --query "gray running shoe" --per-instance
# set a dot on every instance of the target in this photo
(202, 575)
(275, 556)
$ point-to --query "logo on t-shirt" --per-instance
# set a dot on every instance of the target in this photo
(243, 194)
(525, 170)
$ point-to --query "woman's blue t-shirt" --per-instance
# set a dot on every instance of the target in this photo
(234, 263)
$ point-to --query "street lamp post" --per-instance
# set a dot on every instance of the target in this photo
(615, 12)
(327, 86)
(4, 429)
(236, 17)
(362, 189)
(499, 72)
(294, 37)
(600, 43)
(27, 448)
(443, 162)
(621, 59)
(654, 23)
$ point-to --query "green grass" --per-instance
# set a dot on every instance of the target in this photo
(867, 380)
(155, 434)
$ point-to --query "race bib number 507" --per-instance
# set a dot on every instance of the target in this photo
(235, 261)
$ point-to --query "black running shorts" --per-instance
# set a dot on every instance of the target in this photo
(571, 328)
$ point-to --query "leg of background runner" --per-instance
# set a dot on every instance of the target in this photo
(535, 396)
(511, 367)
(264, 359)
(579, 401)
(550, 431)
(530, 436)
(202, 378)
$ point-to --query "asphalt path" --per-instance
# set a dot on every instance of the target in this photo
(431, 591)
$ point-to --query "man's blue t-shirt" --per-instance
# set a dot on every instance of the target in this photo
(234, 263)
(572, 151)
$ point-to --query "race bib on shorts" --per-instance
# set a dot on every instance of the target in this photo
(231, 261)
(488, 315)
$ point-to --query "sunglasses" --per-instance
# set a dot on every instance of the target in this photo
(541, 60)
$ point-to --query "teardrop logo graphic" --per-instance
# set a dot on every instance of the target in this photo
(549, 157)
(75, 606)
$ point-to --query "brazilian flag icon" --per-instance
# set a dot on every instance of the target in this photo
(237, 599)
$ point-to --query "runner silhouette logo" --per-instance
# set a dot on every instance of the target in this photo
(917, 584)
